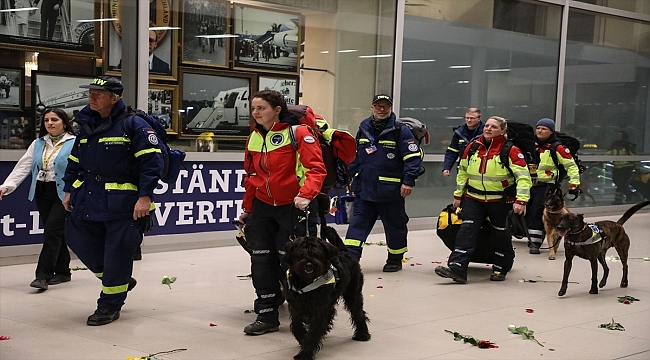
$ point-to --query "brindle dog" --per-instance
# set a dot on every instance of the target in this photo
(577, 238)
(554, 207)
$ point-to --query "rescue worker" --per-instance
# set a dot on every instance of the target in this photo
(622, 170)
(547, 176)
(487, 189)
(463, 135)
(281, 183)
(112, 171)
(383, 175)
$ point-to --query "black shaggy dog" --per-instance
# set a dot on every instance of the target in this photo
(318, 275)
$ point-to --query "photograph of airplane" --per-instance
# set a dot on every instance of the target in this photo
(60, 92)
(288, 87)
(266, 39)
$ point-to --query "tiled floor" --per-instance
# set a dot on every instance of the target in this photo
(409, 310)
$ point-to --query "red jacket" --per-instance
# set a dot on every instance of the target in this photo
(276, 172)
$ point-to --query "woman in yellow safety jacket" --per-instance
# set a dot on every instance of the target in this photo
(485, 187)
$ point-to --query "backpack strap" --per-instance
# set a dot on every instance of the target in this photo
(556, 162)
(505, 156)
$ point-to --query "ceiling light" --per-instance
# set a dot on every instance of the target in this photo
(463, 81)
(496, 70)
(460, 66)
(216, 36)
(20, 9)
(155, 28)
(325, 52)
(374, 56)
(97, 20)
(418, 61)
(348, 51)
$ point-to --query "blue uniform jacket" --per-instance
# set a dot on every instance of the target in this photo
(462, 137)
(111, 165)
(378, 175)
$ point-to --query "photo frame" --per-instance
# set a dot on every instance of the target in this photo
(162, 100)
(267, 40)
(206, 39)
(58, 90)
(216, 102)
(161, 41)
(15, 128)
(287, 86)
(30, 27)
(12, 88)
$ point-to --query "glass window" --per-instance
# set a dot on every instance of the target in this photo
(498, 56)
(638, 6)
(606, 81)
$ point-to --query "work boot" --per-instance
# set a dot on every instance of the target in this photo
(392, 266)
(40, 284)
(132, 284)
(497, 276)
(103, 316)
(533, 249)
(258, 328)
(59, 278)
(446, 272)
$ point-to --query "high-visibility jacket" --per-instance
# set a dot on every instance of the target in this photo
(547, 172)
(276, 172)
(483, 177)
(112, 164)
(622, 148)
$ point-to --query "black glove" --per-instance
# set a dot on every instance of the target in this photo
(146, 224)
(575, 192)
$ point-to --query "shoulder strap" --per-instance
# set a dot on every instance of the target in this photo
(292, 135)
(553, 151)
(505, 156)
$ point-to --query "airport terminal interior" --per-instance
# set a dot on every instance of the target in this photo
(583, 63)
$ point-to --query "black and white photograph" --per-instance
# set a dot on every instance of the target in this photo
(288, 87)
(14, 129)
(58, 91)
(162, 51)
(12, 89)
(205, 32)
(266, 40)
(57, 24)
(161, 105)
(216, 103)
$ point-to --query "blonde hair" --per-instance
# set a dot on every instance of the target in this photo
(474, 110)
(503, 124)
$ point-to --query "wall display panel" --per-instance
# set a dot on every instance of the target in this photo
(162, 106)
(58, 91)
(49, 25)
(266, 40)
(287, 86)
(12, 88)
(14, 129)
(216, 102)
(205, 35)
(162, 48)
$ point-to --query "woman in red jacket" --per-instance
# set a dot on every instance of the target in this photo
(281, 182)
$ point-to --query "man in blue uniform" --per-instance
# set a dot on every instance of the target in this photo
(384, 172)
(112, 171)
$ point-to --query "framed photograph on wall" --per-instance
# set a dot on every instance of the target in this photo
(266, 40)
(58, 91)
(162, 48)
(287, 86)
(12, 88)
(162, 105)
(67, 25)
(216, 102)
(15, 128)
(205, 32)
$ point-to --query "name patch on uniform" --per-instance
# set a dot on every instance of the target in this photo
(390, 155)
(277, 139)
(153, 139)
(309, 139)
(413, 147)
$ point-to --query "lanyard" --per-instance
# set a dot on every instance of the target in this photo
(48, 156)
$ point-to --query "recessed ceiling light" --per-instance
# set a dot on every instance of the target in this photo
(496, 70)
(20, 9)
(418, 61)
(460, 66)
(164, 28)
(348, 51)
(97, 20)
(325, 52)
(374, 56)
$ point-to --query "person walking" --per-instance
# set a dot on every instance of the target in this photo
(486, 188)
(112, 172)
(622, 170)
(46, 160)
(547, 176)
(463, 135)
(281, 185)
(383, 174)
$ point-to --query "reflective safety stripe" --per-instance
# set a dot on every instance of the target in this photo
(353, 242)
(387, 142)
(411, 155)
(480, 177)
(116, 186)
(114, 139)
(452, 149)
(110, 290)
(99, 275)
(398, 251)
(147, 151)
(73, 158)
(152, 207)
(462, 167)
(363, 141)
(383, 178)
(83, 141)
(77, 183)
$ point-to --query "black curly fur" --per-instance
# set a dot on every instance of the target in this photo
(312, 313)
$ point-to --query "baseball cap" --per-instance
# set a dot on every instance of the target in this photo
(382, 97)
(105, 83)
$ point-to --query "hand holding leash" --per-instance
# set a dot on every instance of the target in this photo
(301, 203)
(575, 192)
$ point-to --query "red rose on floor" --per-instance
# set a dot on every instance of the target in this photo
(529, 310)
(626, 302)
(486, 344)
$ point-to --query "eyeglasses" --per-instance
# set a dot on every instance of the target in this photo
(471, 117)
(382, 107)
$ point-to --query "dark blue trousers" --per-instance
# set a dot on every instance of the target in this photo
(393, 217)
(106, 248)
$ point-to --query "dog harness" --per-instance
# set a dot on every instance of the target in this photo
(596, 236)
(329, 278)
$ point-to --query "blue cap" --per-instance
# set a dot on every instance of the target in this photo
(549, 123)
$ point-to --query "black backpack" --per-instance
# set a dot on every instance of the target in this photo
(173, 158)
(573, 145)
(418, 129)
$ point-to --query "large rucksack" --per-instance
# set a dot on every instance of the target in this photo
(573, 145)
(449, 222)
(418, 129)
(173, 158)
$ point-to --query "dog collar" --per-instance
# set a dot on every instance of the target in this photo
(594, 238)
(328, 279)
